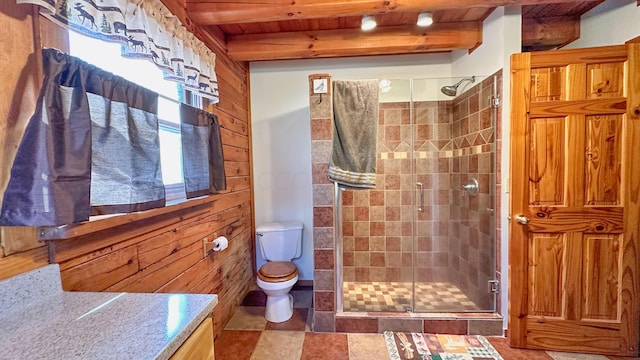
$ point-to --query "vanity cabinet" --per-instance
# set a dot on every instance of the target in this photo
(40, 321)
(199, 345)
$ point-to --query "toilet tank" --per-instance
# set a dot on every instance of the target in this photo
(280, 241)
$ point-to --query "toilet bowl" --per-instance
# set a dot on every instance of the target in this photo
(276, 279)
(279, 243)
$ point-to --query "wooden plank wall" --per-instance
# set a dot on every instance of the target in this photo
(19, 83)
(164, 253)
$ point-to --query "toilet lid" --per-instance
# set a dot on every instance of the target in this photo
(276, 271)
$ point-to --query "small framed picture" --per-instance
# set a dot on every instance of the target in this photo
(320, 86)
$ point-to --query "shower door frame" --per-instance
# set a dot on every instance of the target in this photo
(338, 226)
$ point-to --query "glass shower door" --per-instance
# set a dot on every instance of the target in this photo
(454, 174)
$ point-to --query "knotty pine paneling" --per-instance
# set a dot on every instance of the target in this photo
(159, 254)
(605, 80)
(546, 150)
(238, 183)
(230, 108)
(170, 258)
(233, 93)
(232, 153)
(19, 81)
(233, 124)
(229, 137)
(547, 84)
(102, 272)
(601, 277)
(82, 247)
(19, 84)
(237, 168)
(22, 262)
(603, 159)
(545, 268)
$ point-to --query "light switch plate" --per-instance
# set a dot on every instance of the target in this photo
(320, 86)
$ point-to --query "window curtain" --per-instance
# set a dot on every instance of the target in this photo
(90, 148)
(202, 156)
(147, 30)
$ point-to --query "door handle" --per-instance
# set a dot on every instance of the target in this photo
(522, 219)
(421, 189)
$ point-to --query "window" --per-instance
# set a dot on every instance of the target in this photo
(107, 56)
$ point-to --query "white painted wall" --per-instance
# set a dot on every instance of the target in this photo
(281, 130)
(487, 58)
(611, 23)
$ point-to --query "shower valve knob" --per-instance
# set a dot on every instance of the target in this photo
(471, 186)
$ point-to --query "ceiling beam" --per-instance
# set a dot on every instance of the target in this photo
(212, 36)
(218, 12)
(338, 43)
(545, 33)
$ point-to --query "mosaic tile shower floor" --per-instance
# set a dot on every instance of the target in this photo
(397, 296)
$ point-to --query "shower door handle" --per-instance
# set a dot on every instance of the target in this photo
(421, 189)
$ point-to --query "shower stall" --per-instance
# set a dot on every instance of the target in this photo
(424, 239)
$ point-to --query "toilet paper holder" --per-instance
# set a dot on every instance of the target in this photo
(218, 244)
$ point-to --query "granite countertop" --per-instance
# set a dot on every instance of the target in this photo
(40, 321)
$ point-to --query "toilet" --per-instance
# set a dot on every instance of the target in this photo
(279, 243)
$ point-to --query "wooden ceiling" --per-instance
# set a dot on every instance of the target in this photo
(253, 30)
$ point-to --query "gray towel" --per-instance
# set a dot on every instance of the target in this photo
(355, 133)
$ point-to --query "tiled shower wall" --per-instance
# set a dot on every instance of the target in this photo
(472, 227)
(433, 151)
(378, 223)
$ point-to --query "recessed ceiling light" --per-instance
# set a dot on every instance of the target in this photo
(425, 19)
(385, 85)
(368, 23)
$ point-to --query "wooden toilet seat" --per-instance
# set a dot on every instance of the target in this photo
(277, 271)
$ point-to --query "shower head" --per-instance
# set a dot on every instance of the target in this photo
(452, 90)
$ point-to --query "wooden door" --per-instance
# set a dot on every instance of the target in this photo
(575, 200)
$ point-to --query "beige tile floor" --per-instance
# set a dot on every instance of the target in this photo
(249, 336)
(276, 345)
